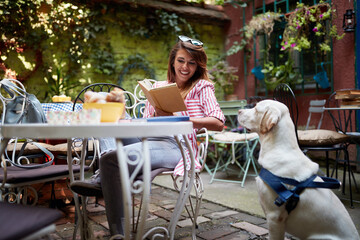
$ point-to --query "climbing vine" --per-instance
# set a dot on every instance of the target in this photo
(136, 62)
(59, 41)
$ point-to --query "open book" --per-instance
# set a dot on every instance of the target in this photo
(166, 98)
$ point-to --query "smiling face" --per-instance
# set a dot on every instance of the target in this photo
(184, 66)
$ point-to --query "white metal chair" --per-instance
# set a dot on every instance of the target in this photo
(242, 145)
(18, 174)
(316, 107)
(242, 149)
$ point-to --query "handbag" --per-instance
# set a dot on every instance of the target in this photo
(24, 108)
(321, 78)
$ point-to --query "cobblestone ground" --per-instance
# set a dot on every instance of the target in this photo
(215, 221)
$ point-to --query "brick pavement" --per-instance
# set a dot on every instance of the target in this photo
(215, 221)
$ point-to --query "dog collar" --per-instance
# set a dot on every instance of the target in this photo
(292, 196)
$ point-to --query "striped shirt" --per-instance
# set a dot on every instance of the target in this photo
(200, 102)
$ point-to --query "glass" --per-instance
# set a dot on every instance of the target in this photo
(191, 40)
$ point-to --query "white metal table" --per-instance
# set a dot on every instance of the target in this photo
(118, 131)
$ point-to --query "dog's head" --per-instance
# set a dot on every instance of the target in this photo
(263, 117)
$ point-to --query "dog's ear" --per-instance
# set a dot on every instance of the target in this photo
(270, 118)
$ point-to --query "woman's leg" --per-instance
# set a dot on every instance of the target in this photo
(162, 154)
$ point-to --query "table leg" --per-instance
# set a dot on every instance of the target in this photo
(128, 187)
(187, 184)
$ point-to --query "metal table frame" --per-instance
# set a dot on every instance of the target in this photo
(118, 131)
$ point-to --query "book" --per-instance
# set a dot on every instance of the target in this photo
(166, 98)
(168, 119)
(347, 94)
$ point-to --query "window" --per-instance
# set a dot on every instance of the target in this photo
(307, 63)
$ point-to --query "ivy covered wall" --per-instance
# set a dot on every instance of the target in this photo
(63, 47)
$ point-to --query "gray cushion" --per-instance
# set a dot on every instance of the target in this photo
(19, 175)
(232, 136)
(321, 137)
(18, 221)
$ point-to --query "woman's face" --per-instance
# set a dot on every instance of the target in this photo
(185, 67)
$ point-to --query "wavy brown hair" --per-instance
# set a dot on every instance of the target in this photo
(198, 54)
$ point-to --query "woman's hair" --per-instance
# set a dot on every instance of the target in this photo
(197, 53)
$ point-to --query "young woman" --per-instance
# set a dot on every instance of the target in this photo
(187, 68)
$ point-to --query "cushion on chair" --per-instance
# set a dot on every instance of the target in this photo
(19, 175)
(87, 188)
(29, 148)
(321, 137)
(62, 148)
(18, 221)
(232, 136)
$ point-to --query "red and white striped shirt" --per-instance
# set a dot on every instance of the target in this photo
(200, 102)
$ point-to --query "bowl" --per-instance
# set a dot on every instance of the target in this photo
(110, 112)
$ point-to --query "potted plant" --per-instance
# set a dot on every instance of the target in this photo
(283, 73)
(225, 79)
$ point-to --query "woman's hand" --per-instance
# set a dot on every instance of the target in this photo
(210, 123)
(158, 112)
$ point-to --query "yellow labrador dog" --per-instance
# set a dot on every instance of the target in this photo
(319, 214)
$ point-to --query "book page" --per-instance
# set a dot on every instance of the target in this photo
(146, 90)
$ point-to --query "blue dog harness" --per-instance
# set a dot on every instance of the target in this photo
(291, 197)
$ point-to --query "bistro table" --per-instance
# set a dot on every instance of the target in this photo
(346, 126)
(119, 131)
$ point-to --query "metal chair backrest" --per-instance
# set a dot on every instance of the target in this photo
(317, 107)
(231, 109)
(283, 93)
(101, 87)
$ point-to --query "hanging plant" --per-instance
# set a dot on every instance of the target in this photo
(259, 24)
(306, 22)
(262, 23)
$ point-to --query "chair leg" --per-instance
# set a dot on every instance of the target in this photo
(135, 221)
(194, 211)
(327, 163)
(53, 195)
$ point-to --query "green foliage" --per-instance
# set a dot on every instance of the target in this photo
(224, 76)
(243, 45)
(67, 38)
(135, 63)
(18, 24)
(103, 60)
(58, 83)
(283, 73)
(158, 23)
(306, 24)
